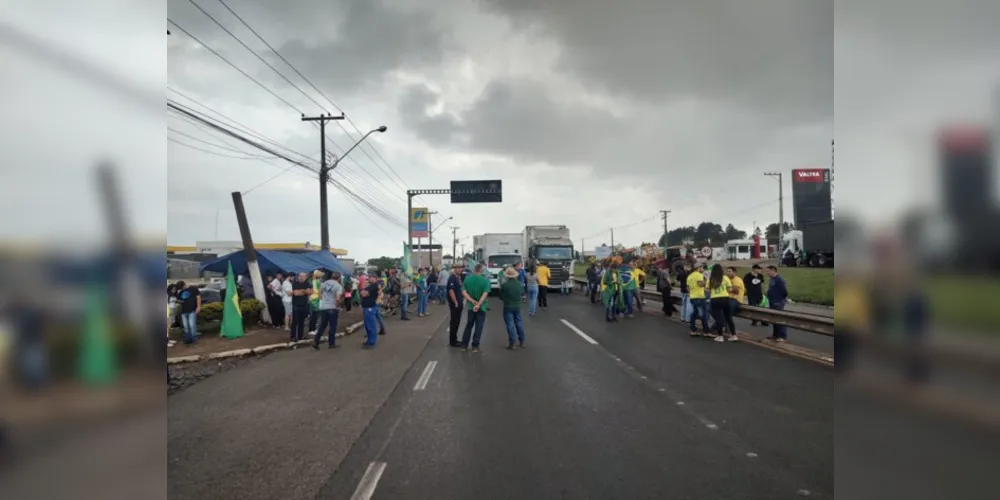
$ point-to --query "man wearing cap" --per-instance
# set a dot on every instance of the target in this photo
(454, 299)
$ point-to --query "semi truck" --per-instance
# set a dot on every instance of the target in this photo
(550, 245)
(497, 251)
(810, 245)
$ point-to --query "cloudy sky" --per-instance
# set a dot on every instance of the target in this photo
(594, 114)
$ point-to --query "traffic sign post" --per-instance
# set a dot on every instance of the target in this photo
(480, 191)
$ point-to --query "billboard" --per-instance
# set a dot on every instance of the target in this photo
(419, 221)
(811, 200)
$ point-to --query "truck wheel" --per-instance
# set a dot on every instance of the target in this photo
(821, 260)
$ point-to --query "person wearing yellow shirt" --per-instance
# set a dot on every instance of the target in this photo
(640, 276)
(696, 294)
(544, 273)
(739, 290)
(719, 290)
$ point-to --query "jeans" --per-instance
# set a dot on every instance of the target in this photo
(190, 322)
(422, 301)
(564, 287)
(327, 317)
(699, 309)
(477, 319)
(313, 319)
(532, 299)
(629, 298)
(300, 314)
(722, 311)
(432, 292)
(379, 319)
(543, 296)
(370, 315)
(778, 331)
(592, 289)
(611, 311)
(512, 318)
(685, 306)
(405, 303)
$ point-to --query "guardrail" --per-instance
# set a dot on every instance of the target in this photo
(820, 325)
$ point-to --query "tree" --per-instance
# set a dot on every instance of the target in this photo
(677, 236)
(735, 234)
(709, 234)
(447, 256)
(772, 230)
(384, 262)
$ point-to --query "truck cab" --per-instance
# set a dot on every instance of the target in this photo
(558, 258)
(497, 251)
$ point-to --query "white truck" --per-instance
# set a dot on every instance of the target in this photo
(497, 251)
(553, 246)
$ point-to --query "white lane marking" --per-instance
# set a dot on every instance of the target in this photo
(366, 488)
(579, 332)
(752, 455)
(804, 493)
(708, 423)
(680, 403)
(425, 376)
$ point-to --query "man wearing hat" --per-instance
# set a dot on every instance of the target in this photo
(454, 298)
(510, 294)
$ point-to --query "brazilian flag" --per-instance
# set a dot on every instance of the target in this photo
(232, 318)
(612, 294)
(98, 363)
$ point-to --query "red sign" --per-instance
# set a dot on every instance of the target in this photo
(810, 175)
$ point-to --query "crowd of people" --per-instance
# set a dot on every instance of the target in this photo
(711, 294)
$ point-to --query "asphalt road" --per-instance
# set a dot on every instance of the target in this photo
(635, 409)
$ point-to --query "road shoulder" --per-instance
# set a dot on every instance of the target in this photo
(279, 426)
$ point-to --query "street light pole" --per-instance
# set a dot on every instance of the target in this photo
(781, 211)
(324, 220)
(454, 244)
(336, 161)
(430, 235)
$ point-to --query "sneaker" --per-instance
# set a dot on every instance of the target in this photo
(719, 338)
(732, 338)
(312, 333)
(521, 345)
(779, 340)
(316, 346)
(695, 334)
(510, 347)
(476, 349)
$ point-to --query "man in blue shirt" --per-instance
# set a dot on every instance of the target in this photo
(522, 277)
(454, 298)
(777, 293)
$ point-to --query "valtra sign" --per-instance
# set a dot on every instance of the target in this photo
(811, 175)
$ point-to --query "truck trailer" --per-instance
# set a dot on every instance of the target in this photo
(497, 251)
(810, 245)
(550, 245)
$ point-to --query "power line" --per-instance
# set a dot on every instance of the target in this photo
(344, 189)
(285, 78)
(320, 92)
(215, 153)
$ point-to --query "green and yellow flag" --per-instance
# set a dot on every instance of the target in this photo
(405, 264)
(232, 318)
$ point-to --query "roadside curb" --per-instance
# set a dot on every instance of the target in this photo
(256, 351)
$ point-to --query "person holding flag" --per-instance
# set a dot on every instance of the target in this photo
(611, 290)
(629, 287)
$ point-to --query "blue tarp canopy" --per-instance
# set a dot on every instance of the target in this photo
(273, 261)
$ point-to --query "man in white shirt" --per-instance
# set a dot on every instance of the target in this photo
(286, 300)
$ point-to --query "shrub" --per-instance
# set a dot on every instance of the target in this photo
(251, 310)
(211, 312)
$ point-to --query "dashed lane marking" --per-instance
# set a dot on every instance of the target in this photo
(579, 332)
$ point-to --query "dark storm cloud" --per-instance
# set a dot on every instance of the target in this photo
(343, 46)
(512, 117)
(369, 41)
(772, 56)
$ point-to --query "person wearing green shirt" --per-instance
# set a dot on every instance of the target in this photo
(511, 292)
(475, 290)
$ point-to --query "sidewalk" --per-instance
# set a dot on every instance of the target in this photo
(278, 426)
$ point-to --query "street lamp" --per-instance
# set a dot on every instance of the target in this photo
(336, 160)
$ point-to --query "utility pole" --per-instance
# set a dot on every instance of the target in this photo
(612, 241)
(454, 244)
(324, 176)
(781, 211)
(252, 265)
(663, 214)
